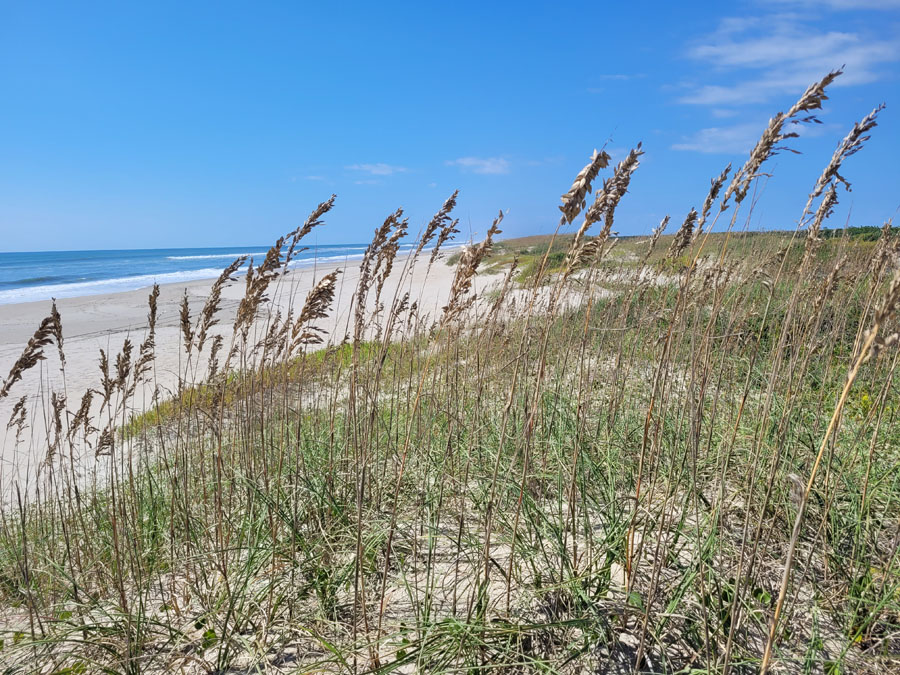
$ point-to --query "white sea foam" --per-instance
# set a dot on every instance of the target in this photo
(216, 256)
(79, 288)
(256, 254)
(123, 284)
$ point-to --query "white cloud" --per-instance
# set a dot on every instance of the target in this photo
(313, 178)
(740, 138)
(487, 165)
(379, 169)
(618, 76)
(840, 4)
(732, 140)
(782, 54)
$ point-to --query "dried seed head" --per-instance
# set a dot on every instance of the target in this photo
(318, 301)
(314, 220)
(186, 330)
(368, 268)
(211, 306)
(56, 328)
(123, 364)
(849, 146)
(574, 199)
(826, 208)
(768, 144)
(33, 352)
(214, 356)
(471, 258)
(714, 189)
(444, 236)
(438, 222)
(604, 206)
(83, 414)
(147, 349)
(258, 281)
(654, 238)
(684, 236)
(886, 251)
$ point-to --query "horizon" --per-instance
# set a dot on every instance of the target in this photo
(172, 127)
(410, 241)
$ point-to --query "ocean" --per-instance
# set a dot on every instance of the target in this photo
(26, 277)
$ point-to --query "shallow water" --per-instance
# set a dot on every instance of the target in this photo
(26, 277)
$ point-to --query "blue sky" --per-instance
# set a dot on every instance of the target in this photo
(126, 125)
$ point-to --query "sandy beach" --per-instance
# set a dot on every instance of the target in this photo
(103, 322)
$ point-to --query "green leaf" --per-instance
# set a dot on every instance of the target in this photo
(209, 639)
(636, 600)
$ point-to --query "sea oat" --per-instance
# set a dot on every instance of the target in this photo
(773, 135)
(211, 306)
(714, 189)
(471, 258)
(439, 221)
(33, 352)
(316, 307)
(573, 201)
(684, 235)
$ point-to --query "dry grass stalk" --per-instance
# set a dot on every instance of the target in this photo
(33, 353)
(604, 206)
(57, 406)
(123, 364)
(774, 134)
(257, 283)
(439, 221)
(147, 350)
(654, 239)
(384, 261)
(684, 236)
(317, 304)
(465, 271)
(849, 146)
(445, 235)
(713, 194)
(825, 209)
(368, 270)
(17, 418)
(873, 344)
(573, 201)
(314, 220)
(211, 306)
(82, 416)
(56, 327)
(214, 350)
(887, 250)
(184, 315)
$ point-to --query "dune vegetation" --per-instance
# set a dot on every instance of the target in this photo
(674, 453)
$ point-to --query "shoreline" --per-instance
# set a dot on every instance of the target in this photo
(92, 323)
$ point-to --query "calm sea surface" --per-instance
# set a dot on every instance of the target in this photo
(25, 277)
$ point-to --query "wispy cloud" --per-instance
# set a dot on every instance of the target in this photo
(838, 4)
(378, 169)
(781, 54)
(740, 138)
(313, 178)
(621, 77)
(730, 140)
(486, 165)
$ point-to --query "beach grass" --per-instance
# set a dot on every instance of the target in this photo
(674, 453)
